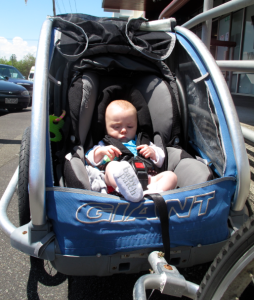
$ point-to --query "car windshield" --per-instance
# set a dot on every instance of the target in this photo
(11, 72)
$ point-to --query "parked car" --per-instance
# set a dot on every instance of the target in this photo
(31, 74)
(13, 96)
(12, 74)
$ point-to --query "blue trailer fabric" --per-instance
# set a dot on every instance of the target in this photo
(90, 223)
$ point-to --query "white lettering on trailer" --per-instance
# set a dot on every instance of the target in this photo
(121, 212)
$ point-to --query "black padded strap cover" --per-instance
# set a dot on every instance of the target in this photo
(127, 155)
(108, 140)
(162, 209)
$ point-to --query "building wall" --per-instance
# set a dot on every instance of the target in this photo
(239, 28)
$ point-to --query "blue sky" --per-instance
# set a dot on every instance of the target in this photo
(20, 23)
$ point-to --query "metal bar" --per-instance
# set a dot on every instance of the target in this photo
(38, 129)
(246, 66)
(172, 7)
(5, 223)
(151, 281)
(168, 282)
(207, 25)
(218, 11)
(242, 163)
(159, 25)
(156, 281)
(248, 135)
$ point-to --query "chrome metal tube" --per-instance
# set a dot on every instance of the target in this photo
(248, 134)
(38, 129)
(159, 25)
(167, 282)
(5, 223)
(218, 11)
(150, 281)
(246, 66)
(154, 258)
(191, 290)
(172, 7)
(242, 163)
(160, 282)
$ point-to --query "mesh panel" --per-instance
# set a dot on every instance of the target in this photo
(203, 126)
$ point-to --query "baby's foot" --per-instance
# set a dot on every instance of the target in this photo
(152, 189)
(127, 182)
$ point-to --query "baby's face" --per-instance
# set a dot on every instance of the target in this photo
(121, 123)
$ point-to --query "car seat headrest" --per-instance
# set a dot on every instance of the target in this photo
(126, 92)
(82, 97)
(153, 98)
(162, 105)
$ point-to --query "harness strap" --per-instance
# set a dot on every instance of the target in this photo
(135, 162)
(43, 243)
(162, 209)
(108, 140)
(141, 171)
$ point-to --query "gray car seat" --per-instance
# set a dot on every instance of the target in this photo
(162, 106)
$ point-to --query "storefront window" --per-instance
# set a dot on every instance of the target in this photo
(237, 19)
(223, 35)
(248, 44)
(233, 83)
(246, 83)
(236, 31)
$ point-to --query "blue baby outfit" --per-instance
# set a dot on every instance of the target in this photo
(131, 145)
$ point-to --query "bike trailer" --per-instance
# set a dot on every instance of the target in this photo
(82, 60)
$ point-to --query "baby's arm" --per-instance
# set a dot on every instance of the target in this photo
(110, 151)
(147, 151)
(156, 154)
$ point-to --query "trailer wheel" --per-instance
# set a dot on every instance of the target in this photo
(23, 195)
(233, 268)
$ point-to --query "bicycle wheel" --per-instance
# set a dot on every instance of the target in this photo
(23, 196)
(233, 268)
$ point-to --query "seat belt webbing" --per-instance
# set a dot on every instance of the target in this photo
(161, 207)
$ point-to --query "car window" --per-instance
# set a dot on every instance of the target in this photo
(10, 72)
(31, 75)
(2, 78)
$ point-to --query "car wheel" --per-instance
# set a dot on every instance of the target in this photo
(23, 195)
(10, 110)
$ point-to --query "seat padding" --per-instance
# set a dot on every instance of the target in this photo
(75, 170)
(189, 171)
(162, 105)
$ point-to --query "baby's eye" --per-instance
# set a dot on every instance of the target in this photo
(116, 127)
(130, 127)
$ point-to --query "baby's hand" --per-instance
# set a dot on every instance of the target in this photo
(110, 151)
(147, 151)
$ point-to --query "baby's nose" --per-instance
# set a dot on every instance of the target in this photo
(123, 130)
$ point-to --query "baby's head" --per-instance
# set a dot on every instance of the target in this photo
(121, 120)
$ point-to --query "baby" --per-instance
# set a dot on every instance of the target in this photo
(121, 124)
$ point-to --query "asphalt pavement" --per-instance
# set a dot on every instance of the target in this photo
(22, 277)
